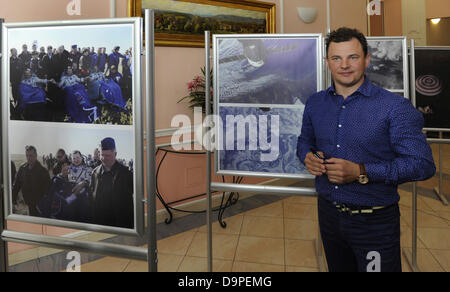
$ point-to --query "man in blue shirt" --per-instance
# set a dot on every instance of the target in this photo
(361, 142)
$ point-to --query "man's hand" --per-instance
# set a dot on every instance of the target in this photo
(342, 171)
(315, 165)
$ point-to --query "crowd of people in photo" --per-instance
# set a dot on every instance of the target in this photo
(62, 86)
(95, 189)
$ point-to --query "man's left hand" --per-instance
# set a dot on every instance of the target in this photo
(342, 171)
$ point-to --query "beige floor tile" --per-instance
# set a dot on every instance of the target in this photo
(435, 238)
(137, 267)
(224, 246)
(443, 257)
(435, 204)
(260, 250)
(444, 215)
(271, 210)
(301, 229)
(406, 238)
(424, 219)
(301, 269)
(300, 211)
(242, 267)
(426, 262)
(405, 265)
(406, 201)
(196, 264)
(263, 226)
(301, 253)
(107, 264)
(234, 225)
(301, 200)
(177, 244)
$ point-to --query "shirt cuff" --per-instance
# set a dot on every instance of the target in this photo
(376, 172)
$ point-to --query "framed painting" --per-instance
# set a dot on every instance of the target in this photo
(261, 86)
(183, 22)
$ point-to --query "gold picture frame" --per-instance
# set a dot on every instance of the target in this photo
(228, 16)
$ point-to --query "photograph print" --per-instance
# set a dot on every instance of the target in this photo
(387, 65)
(432, 85)
(266, 71)
(71, 73)
(261, 87)
(82, 176)
(266, 151)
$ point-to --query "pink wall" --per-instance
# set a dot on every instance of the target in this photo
(438, 8)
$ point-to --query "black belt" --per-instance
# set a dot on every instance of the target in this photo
(354, 210)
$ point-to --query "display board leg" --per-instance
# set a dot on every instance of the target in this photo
(3, 244)
(208, 151)
(150, 108)
(440, 190)
(411, 257)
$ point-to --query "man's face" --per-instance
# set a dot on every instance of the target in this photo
(14, 52)
(50, 50)
(27, 74)
(60, 156)
(347, 62)
(31, 157)
(25, 48)
(108, 158)
(96, 154)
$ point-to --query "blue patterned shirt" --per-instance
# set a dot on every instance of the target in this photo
(372, 126)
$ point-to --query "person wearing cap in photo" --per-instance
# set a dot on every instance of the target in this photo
(111, 190)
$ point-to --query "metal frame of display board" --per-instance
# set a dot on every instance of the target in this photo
(411, 257)
(135, 24)
(225, 187)
(217, 104)
(145, 254)
(440, 141)
(406, 69)
(3, 244)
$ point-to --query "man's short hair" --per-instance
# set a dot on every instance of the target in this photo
(30, 148)
(345, 34)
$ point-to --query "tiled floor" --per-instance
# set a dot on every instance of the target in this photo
(280, 237)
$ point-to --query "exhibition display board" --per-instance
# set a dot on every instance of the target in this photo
(389, 66)
(432, 84)
(70, 103)
(261, 85)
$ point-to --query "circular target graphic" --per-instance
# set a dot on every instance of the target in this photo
(428, 85)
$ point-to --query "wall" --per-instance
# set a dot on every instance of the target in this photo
(437, 8)
(439, 34)
(393, 17)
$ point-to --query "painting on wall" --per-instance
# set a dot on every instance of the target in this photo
(261, 87)
(432, 85)
(183, 22)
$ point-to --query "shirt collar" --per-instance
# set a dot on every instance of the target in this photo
(365, 89)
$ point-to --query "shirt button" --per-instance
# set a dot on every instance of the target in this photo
(336, 187)
(343, 106)
(338, 146)
(340, 126)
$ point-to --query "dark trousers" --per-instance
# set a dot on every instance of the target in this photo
(362, 242)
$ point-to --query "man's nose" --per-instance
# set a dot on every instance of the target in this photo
(345, 64)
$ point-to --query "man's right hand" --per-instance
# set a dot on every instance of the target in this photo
(315, 165)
